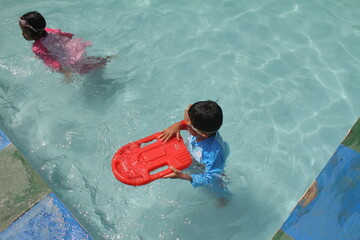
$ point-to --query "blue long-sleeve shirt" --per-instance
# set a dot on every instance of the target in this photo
(211, 153)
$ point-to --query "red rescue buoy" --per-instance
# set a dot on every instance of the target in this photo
(135, 165)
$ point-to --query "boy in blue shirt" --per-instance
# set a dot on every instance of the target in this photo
(203, 120)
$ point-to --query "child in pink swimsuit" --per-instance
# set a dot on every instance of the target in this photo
(59, 50)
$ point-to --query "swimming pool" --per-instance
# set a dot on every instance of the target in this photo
(285, 74)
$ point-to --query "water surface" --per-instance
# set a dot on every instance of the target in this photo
(285, 73)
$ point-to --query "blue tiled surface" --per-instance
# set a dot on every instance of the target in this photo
(47, 220)
(334, 209)
(4, 141)
(330, 209)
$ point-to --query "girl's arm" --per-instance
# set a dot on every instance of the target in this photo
(44, 55)
(69, 35)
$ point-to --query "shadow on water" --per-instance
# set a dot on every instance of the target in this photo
(99, 91)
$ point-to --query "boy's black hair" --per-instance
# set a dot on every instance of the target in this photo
(206, 116)
(35, 19)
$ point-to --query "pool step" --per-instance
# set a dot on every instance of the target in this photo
(330, 208)
(28, 208)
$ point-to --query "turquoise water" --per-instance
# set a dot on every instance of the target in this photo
(285, 73)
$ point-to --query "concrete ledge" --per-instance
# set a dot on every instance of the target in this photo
(28, 208)
(21, 187)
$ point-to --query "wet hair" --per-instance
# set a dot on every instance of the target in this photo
(37, 21)
(206, 116)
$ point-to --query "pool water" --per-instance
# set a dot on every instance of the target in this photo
(285, 73)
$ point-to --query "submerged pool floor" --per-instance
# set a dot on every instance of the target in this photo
(328, 210)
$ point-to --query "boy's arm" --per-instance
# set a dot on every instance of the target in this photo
(178, 174)
(201, 179)
(214, 167)
(173, 130)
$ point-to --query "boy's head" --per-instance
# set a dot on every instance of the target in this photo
(32, 25)
(205, 116)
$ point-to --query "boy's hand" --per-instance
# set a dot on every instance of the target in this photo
(178, 174)
(169, 132)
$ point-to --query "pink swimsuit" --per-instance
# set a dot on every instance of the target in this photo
(59, 50)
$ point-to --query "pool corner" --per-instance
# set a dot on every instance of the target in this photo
(329, 209)
(28, 208)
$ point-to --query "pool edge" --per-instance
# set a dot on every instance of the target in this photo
(327, 209)
(28, 203)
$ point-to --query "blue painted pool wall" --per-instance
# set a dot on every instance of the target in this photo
(4, 140)
(45, 219)
(48, 219)
(330, 209)
(333, 212)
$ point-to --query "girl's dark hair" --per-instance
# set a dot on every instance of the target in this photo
(37, 21)
(34, 19)
(206, 116)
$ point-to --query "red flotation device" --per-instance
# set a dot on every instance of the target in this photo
(136, 165)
